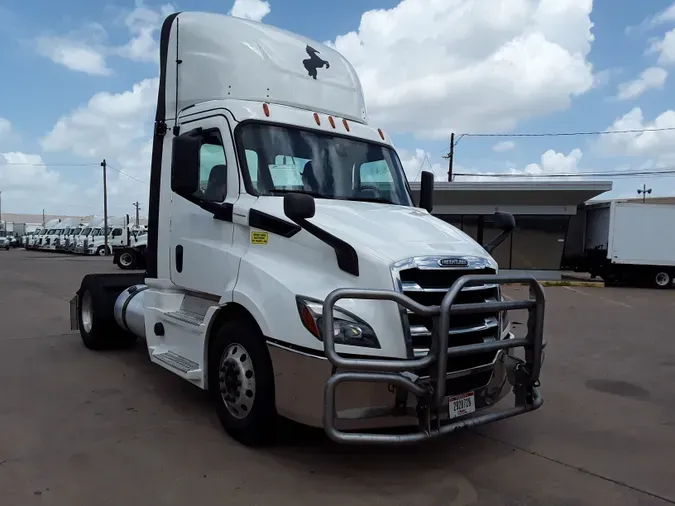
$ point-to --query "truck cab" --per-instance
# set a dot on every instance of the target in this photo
(289, 270)
(118, 232)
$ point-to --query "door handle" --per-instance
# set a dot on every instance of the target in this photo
(179, 258)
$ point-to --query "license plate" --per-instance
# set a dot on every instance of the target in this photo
(461, 405)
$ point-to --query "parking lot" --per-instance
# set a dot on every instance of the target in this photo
(79, 427)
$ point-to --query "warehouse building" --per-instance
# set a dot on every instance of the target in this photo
(542, 210)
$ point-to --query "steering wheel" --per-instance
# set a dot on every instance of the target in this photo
(371, 188)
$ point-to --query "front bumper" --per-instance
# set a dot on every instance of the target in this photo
(430, 392)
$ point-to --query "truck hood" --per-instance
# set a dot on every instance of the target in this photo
(390, 232)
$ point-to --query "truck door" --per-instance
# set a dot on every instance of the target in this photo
(201, 255)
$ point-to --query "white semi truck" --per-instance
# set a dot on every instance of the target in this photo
(623, 242)
(332, 302)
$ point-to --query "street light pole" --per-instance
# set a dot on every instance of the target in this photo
(105, 207)
(644, 191)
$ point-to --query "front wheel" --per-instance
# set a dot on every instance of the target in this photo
(241, 383)
(100, 251)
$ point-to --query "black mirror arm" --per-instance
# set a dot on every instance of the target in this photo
(492, 245)
(220, 211)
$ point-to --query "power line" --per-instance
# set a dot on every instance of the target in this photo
(127, 175)
(48, 165)
(571, 134)
(627, 173)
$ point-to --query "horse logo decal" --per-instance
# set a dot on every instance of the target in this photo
(313, 63)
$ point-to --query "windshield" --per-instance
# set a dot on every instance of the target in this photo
(282, 159)
(86, 231)
(96, 232)
(76, 231)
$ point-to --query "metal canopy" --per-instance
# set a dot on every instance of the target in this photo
(518, 197)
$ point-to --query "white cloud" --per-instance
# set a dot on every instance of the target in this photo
(551, 162)
(82, 50)
(87, 49)
(503, 146)
(651, 78)
(117, 127)
(665, 47)
(8, 138)
(250, 9)
(28, 184)
(107, 125)
(435, 67)
(665, 16)
(143, 23)
(656, 145)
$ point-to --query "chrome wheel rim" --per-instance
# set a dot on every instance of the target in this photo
(237, 381)
(662, 279)
(101, 252)
(125, 259)
(87, 312)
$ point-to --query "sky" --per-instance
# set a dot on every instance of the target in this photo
(80, 85)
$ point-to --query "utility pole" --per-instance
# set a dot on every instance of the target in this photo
(644, 191)
(451, 155)
(0, 209)
(105, 206)
(43, 217)
(137, 205)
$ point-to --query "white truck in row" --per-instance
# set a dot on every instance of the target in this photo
(329, 297)
(623, 242)
(75, 236)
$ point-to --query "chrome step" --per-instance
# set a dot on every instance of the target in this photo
(186, 317)
(177, 362)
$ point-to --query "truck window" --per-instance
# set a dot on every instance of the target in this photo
(212, 168)
(117, 232)
(281, 159)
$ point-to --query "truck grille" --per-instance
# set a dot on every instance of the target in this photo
(428, 287)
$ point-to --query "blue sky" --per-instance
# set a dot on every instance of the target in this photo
(500, 66)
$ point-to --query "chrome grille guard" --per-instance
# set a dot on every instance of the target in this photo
(523, 375)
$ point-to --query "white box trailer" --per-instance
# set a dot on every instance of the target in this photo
(628, 242)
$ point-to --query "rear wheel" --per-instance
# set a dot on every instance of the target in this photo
(128, 260)
(96, 318)
(241, 383)
(662, 279)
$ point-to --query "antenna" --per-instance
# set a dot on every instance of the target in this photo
(176, 128)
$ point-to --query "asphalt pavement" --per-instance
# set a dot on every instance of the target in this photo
(80, 427)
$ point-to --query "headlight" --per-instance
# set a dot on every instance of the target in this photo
(347, 328)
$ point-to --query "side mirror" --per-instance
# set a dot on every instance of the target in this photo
(185, 164)
(427, 191)
(299, 206)
(504, 222)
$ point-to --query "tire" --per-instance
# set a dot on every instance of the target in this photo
(128, 260)
(662, 279)
(241, 346)
(100, 251)
(96, 319)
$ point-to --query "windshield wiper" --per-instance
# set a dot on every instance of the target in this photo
(371, 199)
(306, 192)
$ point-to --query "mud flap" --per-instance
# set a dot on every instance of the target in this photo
(74, 320)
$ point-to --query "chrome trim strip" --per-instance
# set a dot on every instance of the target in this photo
(411, 286)
(491, 322)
